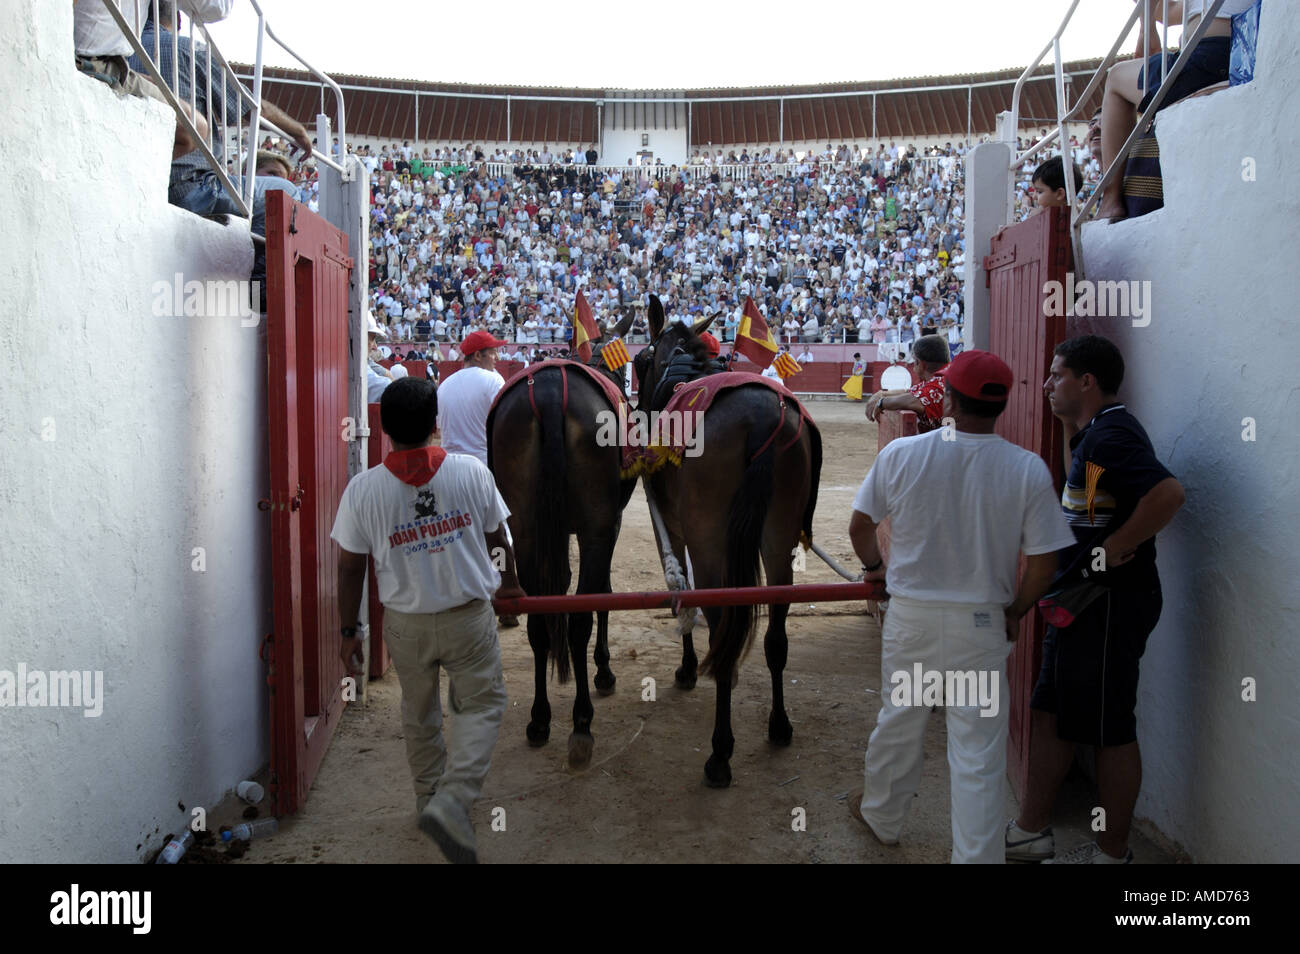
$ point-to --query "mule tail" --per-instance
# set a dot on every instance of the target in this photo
(735, 629)
(814, 483)
(552, 526)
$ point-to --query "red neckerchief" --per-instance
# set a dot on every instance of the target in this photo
(415, 467)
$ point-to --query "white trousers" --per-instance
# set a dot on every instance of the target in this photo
(944, 638)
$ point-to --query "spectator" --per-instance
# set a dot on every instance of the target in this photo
(194, 185)
(1049, 184)
(1117, 497)
(1128, 91)
(377, 376)
(926, 397)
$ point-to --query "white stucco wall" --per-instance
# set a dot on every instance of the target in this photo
(159, 446)
(1220, 775)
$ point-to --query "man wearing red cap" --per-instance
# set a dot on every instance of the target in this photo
(464, 401)
(963, 504)
(466, 397)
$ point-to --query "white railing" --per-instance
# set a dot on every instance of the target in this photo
(225, 130)
(1066, 113)
(698, 171)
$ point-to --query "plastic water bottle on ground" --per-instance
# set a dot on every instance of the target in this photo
(262, 828)
(175, 848)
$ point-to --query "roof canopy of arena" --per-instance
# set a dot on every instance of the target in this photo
(844, 112)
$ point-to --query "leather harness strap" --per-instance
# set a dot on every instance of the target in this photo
(564, 401)
(777, 430)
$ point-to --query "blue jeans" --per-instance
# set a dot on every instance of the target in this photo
(204, 195)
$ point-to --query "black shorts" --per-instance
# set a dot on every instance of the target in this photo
(1089, 678)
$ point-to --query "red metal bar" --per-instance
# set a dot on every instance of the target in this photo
(723, 596)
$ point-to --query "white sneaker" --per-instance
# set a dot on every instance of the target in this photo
(448, 824)
(1029, 845)
(1090, 854)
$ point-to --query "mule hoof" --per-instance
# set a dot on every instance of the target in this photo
(684, 679)
(604, 682)
(580, 746)
(717, 773)
(538, 735)
(779, 730)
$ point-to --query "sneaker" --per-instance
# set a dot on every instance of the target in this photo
(1029, 845)
(855, 809)
(1090, 854)
(448, 824)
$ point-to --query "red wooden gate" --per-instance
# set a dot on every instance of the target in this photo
(308, 271)
(377, 447)
(1024, 258)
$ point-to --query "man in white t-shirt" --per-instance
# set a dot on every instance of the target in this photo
(963, 505)
(466, 397)
(435, 525)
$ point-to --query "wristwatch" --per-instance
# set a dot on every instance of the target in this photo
(872, 569)
(348, 632)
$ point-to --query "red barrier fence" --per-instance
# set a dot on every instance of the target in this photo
(722, 596)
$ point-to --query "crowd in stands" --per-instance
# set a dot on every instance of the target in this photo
(835, 250)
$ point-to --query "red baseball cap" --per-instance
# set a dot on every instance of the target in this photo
(980, 375)
(711, 343)
(477, 341)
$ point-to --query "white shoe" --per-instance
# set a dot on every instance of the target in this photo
(1090, 854)
(1029, 845)
(448, 824)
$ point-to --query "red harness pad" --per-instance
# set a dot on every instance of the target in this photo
(629, 462)
(695, 397)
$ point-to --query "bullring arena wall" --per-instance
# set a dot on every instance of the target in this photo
(134, 454)
(1212, 378)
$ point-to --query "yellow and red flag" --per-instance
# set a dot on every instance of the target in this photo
(786, 365)
(584, 328)
(615, 354)
(753, 338)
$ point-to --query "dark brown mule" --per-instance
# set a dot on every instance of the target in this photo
(558, 481)
(731, 506)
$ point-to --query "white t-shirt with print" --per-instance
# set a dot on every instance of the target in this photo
(428, 545)
(464, 400)
(961, 512)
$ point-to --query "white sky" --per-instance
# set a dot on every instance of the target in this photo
(635, 44)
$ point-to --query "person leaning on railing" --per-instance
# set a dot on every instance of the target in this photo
(102, 50)
(194, 185)
(1128, 92)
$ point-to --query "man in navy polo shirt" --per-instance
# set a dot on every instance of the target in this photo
(1117, 497)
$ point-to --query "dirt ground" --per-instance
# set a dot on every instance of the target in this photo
(642, 799)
